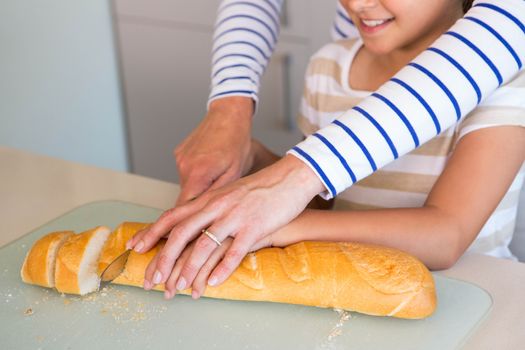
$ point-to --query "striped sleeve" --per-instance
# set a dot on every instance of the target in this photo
(479, 53)
(505, 107)
(246, 32)
(245, 36)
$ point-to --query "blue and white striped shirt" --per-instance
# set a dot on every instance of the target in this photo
(480, 52)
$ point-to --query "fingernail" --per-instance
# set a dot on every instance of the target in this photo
(157, 277)
(195, 294)
(147, 285)
(181, 284)
(128, 244)
(212, 281)
(139, 246)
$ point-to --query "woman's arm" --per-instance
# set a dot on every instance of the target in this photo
(473, 183)
(245, 36)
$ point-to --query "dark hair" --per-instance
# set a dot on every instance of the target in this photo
(467, 4)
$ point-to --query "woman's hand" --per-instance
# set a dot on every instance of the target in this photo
(247, 210)
(217, 152)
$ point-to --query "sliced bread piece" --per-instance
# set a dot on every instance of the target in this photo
(76, 264)
(116, 243)
(39, 264)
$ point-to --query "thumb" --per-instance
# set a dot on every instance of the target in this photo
(192, 188)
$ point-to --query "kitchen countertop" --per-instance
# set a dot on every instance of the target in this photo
(35, 189)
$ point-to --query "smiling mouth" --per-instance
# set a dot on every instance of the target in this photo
(372, 25)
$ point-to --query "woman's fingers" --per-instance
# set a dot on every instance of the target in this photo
(204, 247)
(148, 238)
(148, 275)
(179, 237)
(233, 257)
(199, 284)
(170, 283)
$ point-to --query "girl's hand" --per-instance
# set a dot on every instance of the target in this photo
(247, 210)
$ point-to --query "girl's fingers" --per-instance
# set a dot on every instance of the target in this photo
(199, 284)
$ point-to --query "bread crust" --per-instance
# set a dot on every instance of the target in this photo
(37, 264)
(116, 243)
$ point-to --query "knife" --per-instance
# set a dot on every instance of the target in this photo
(116, 267)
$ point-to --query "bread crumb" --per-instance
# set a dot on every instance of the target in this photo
(335, 333)
(28, 312)
(67, 301)
(337, 329)
(39, 338)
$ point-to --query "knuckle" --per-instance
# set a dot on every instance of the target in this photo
(203, 243)
(215, 205)
(190, 269)
(164, 262)
(180, 233)
(166, 214)
(233, 257)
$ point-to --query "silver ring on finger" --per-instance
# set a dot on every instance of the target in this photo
(212, 236)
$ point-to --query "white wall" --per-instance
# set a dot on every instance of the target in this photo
(59, 87)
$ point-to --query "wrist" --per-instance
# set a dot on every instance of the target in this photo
(233, 106)
(302, 175)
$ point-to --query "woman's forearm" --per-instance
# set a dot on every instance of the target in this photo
(427, 233)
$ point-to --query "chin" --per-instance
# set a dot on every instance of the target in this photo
(378, 48)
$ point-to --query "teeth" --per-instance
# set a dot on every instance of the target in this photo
(374, 22)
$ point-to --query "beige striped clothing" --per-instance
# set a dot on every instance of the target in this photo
(407, 181)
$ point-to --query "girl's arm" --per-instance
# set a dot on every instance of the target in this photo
(473, 183)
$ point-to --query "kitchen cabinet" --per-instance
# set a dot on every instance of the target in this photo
(164, 49)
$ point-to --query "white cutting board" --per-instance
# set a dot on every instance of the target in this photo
(125, 317)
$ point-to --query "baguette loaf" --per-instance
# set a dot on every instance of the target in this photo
(39, 264)
(76, 263)
(356, 277)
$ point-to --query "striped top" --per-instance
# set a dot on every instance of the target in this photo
(478, 54)
(407, 181)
